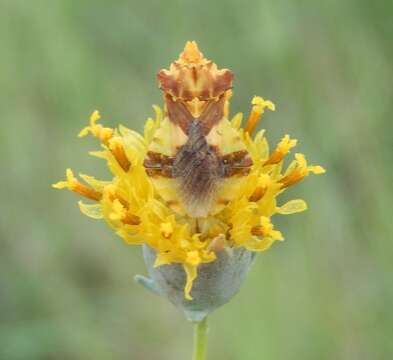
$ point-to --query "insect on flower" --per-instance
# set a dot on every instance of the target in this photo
(197, 159)
(196, 184)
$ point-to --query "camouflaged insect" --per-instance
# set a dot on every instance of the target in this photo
(196, 149)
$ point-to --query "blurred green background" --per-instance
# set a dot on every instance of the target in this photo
(66, 288)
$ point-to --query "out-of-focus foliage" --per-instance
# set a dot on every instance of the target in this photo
(66, 289)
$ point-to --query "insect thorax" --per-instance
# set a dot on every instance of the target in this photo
(195, 150)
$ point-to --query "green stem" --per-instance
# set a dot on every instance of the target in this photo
(200, 340)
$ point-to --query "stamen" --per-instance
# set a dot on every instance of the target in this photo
(264, 182)
(294, 177)
(85, 191)
(258, 231)
(131, 219)
(266, 229)
(258, 194)
(117, 149)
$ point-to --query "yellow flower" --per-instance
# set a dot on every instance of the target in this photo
(195, 183)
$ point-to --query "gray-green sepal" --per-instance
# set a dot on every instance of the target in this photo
(147, 283)
(217, 282)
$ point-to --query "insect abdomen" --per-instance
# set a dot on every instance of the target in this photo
(198, 169)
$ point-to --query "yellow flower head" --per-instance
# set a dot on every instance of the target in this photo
(195, 183)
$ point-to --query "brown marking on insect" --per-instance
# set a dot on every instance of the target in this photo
(238, 163)
(192, 76)
(178, 113)
(212, 114)
(167, 160)
(151, 164)
(157, 160)
(232, 171)
(195, 81)
(222, 201)
(172, 203)
(156, 140)
(157, 164)
(163, 172)
(167, 171)
(198, 169)
(237, 157)
(153, 173)
(154, 156)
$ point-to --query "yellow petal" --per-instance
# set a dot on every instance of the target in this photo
(60, 185)
(97, 185)
(256, 244)
(131, 237)
(292, 207)
(236, 121)
(103, 154)
(158, 113)
(84, 132)
(93, 211)
(316, 169)
(166, 229)
(94, 117)
(191, 272)
(276, 235)
(193, 258)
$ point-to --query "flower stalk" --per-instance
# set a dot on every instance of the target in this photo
(200, 339)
